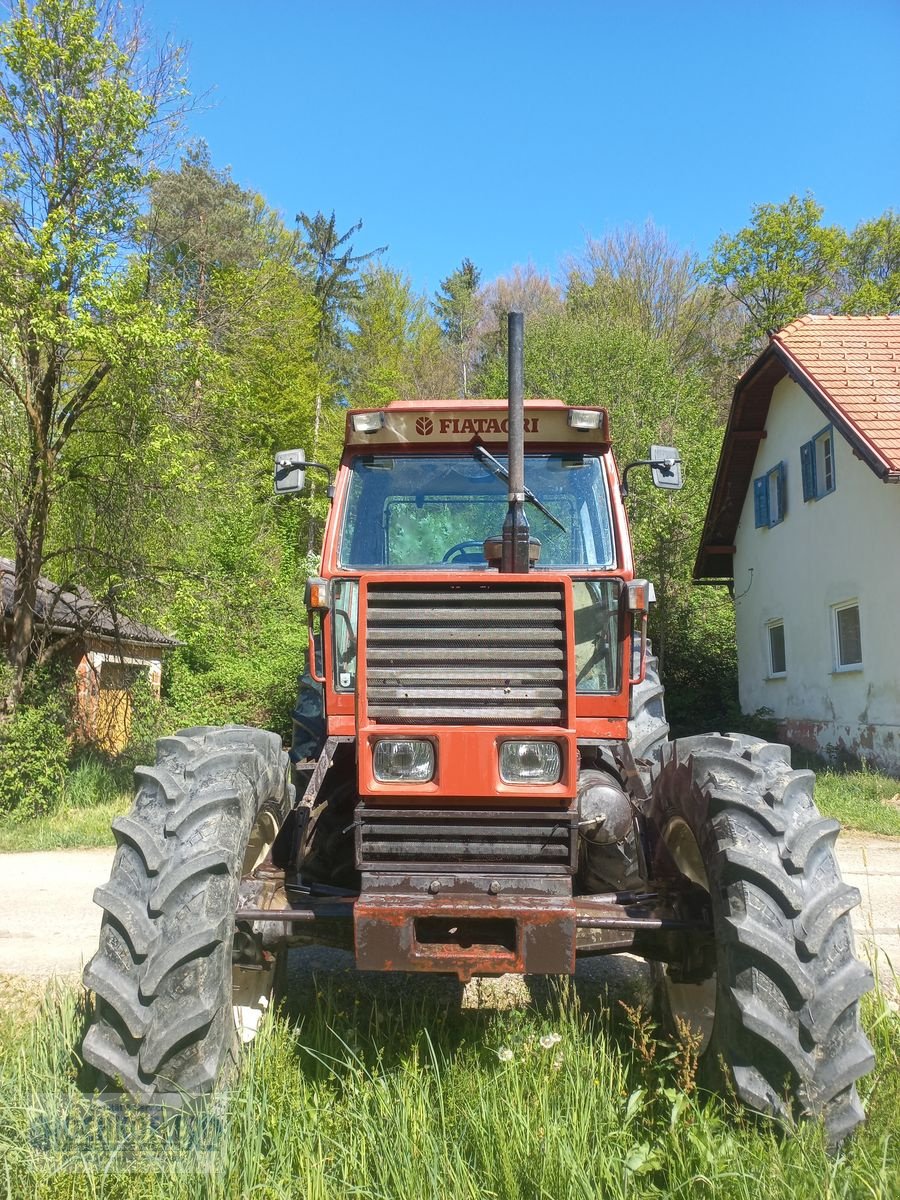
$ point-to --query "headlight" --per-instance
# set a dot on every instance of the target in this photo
(403, 762)
(530, 762)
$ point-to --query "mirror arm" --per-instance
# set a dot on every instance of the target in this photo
(638, 462)
(329, 491)
(664, 464)
(319, 466)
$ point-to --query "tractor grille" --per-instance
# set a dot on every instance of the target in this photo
(466, 653)
(525, 841)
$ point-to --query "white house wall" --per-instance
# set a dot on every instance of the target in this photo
(842, 547)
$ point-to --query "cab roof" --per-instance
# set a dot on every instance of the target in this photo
(427, 423)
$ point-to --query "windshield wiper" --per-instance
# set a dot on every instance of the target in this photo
(501, 472)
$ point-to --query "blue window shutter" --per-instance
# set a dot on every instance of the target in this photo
(782, 490)
(761, 501)
(808, 469)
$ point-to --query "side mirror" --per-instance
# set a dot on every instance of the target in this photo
(665, 467)
(290, 472)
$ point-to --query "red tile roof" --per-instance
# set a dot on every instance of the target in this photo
(850, 368)
(854, 363)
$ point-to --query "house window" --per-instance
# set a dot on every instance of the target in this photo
(770, 497)
(847, 637)
(817, 465)
(777, 660)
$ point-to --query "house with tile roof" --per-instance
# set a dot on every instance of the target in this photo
(107, 652)
(803, 526)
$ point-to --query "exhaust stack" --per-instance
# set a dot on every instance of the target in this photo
(514, 551)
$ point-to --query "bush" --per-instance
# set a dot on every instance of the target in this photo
(34, 752)
(761, 724)
(92, 780)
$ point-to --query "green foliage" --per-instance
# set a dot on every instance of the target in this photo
(783, 264)
(394, 349)
(202, 223)
(92, 780)
(149, 721)
(34, 751)
(761, 724)
(327, 260)
(873, 266)
(458, 307)
(242, 621)
(78, 114)
(786, 263)
(639, 279)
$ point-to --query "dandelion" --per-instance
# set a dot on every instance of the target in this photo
(549, 1040)
(557, 1061)
(505, 1054)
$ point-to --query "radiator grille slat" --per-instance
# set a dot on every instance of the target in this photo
(523, 841)
(465, 653)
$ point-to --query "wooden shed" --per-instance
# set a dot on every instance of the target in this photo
(107, 652)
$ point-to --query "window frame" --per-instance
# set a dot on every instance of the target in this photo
(762, 496)
(813, 487)
(597, 509)
(776, 623)
(841, 668)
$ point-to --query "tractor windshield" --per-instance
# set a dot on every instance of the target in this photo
(436, 510)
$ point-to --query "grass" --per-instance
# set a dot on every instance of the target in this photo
(384, 1091)
(858, 800)
(94, 792)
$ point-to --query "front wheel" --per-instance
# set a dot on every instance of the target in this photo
(777, 1018)
(170, 1006)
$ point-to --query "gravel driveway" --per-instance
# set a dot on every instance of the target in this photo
(49, 923)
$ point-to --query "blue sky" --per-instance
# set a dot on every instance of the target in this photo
(509, 132)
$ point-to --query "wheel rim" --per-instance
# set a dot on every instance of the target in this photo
(252, 987)
(260, 841)
(251, 997)
(691, 1003)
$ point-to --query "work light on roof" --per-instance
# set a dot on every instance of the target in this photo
(368, 422)
(584, 418)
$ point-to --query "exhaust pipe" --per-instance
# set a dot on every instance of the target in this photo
(514, 551)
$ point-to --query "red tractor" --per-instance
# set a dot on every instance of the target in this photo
(484, 784)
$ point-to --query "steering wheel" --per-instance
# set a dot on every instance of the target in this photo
(461, 552)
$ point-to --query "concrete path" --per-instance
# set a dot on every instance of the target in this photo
(49, 923)
(873, 865)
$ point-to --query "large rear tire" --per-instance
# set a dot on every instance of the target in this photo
(778, 1016)
(166, 1019)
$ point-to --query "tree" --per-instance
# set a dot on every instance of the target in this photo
(458, 307)
(525, 290)
(872, 264)
(783, 264)
(232, 265)
(395, 349)
(201, 222)
(82, 104)
(328, 261)
(640, 279)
